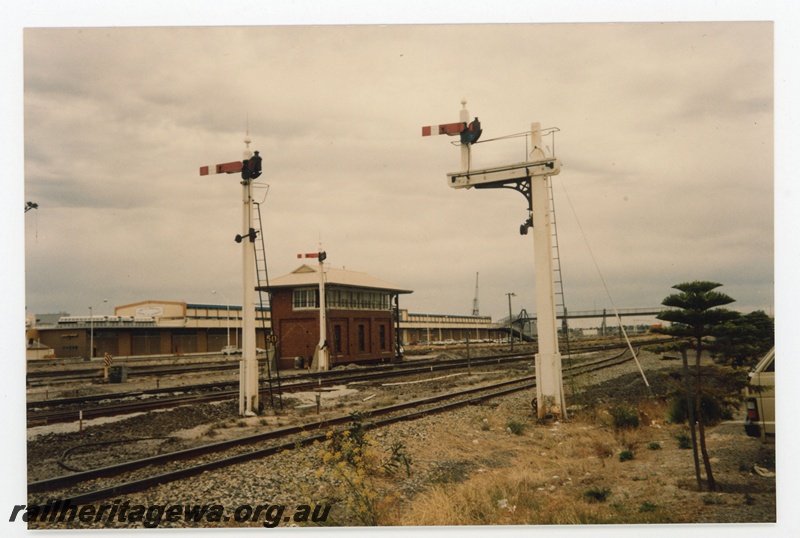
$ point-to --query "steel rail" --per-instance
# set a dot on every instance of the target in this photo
(94, 371)
(52, 417)
(113, 470)
(312, 375)
(472, 396)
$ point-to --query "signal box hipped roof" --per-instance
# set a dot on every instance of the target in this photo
(306, 275)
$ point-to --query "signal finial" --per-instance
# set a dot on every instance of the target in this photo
(247, 153)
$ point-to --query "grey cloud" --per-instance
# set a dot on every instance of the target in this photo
(118, 122)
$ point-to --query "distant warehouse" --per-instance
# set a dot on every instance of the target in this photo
(147, 328)
(364, 322)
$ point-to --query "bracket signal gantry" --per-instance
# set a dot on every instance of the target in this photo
(530, 178)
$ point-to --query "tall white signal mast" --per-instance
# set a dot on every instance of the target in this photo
(321, 352)
(250, 168)
(530, 178)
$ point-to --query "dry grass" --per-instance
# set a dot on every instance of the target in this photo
(546, 476)
(469, 469)
(516, 497)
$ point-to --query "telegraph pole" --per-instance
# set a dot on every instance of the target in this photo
(475, 308)
(510, 320)
(530, 178)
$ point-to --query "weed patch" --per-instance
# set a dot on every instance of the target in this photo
(626, 455)
(359, 475)
(647, 506)
(625, 417)
(684, 441)
(596, 495)
(515, 427)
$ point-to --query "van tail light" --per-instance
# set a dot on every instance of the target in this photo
(752, 409)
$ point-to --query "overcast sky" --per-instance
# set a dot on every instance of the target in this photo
(666, 139)
(665, 135)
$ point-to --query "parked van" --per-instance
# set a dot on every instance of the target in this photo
(760, 400)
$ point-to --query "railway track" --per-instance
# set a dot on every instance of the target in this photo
(42, 376)
(105, 405)
(38, 417)
(151, 370)
(129, 477)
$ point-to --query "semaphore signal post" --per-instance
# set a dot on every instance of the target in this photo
(530, 178)
(250, 168)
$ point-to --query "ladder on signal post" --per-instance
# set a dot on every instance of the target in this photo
(262, 276)
(262, 283)
(558, 279)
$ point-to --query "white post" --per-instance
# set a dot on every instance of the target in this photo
(465, 148)
(549, 385)
(248, 371)
(322, 347)
(91, 334)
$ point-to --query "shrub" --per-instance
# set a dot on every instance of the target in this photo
(398, 458)
(625, 417)
(647, 506)
(654, 446)
(684, 441)
(515, 427)
(595, 495)
(625, 455)
(713, 412)
(357, 472)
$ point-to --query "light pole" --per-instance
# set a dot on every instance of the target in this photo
(228, 316)
(510, 319)
(91, 330)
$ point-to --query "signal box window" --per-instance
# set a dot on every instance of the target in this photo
(305, 298)
(337, 338)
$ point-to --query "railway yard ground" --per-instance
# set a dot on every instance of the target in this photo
(488, 463)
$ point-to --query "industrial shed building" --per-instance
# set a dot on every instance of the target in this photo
(147, 328)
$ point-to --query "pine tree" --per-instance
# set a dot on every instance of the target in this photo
(695, 314)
